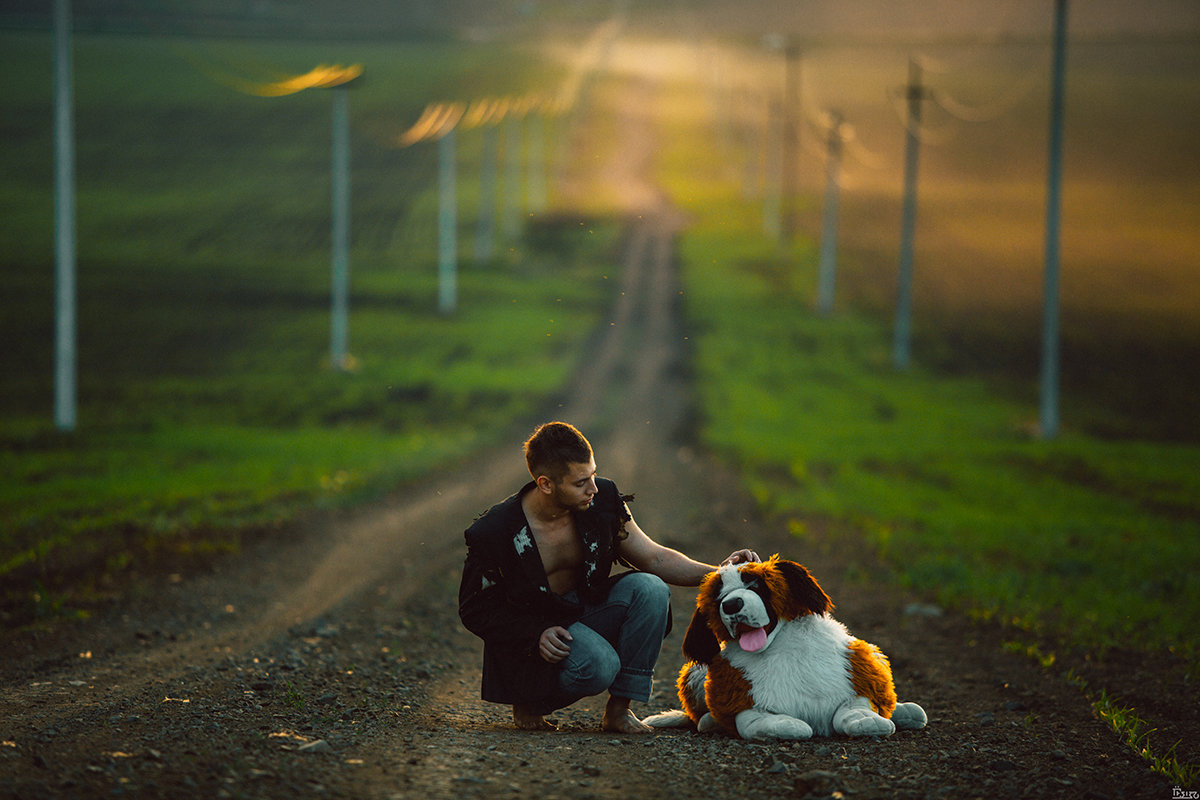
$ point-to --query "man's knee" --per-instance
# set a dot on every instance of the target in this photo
(597, 673)
(592, 666)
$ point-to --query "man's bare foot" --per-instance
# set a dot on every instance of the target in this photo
(528, 720)
(619, 719)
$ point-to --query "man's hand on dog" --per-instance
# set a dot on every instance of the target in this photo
(553, 646)
(741, 557)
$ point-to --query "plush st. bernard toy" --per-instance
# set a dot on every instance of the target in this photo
(767, 661)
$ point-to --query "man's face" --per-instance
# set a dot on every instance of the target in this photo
(577, 488)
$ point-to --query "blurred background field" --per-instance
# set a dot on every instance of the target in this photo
(1131, 225)
(1130, 274)
(208, 406)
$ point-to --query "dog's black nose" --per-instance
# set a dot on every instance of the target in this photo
(732, 605)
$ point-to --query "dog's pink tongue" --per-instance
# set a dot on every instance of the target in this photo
(753, 641)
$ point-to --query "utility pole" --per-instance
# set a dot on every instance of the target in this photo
(64, 224)
(1050, 335)
(904, 296)
(447, 225)
(772, 195)
(514, 201)
(485, 233)
(828, 262)
(340, 266)
(792, 126)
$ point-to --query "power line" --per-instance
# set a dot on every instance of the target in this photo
(860, 152)
(921, 131)
(1003, 103)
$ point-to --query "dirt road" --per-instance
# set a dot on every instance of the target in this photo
(332, 663)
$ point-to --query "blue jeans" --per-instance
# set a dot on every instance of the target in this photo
(614, 644)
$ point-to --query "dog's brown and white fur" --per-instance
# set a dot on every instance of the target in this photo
(767, 661)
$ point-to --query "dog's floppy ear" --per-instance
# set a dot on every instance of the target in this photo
(699, 643)
(803, 589)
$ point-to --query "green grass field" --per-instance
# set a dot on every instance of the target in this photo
(207, 406)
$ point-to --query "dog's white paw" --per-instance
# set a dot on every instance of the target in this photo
(708, 723)
(909, 716)
(762, 725)
(870, 725)
(856, 718)
(864, 722)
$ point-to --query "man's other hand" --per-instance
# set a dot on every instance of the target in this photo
(554, 644)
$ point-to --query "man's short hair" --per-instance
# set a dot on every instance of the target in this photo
(553, 447)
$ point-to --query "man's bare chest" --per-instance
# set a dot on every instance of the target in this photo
(559, 546)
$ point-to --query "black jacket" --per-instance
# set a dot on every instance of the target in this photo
(505, 596)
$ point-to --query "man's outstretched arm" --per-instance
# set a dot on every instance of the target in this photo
(671, 565)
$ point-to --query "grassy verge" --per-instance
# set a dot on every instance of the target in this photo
(1081, 538)
(1135, 733)
(207, 407)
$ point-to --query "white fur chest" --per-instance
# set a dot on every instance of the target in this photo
(804, 672)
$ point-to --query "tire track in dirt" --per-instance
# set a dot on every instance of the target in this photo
(632, 401)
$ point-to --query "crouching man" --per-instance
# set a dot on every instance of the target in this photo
(536, 587)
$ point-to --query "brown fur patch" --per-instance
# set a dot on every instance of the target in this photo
(693, 706)
(727, 692)
(785, 603)
(871, 676)
(706, 603)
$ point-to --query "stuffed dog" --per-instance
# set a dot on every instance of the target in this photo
(767, 661)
